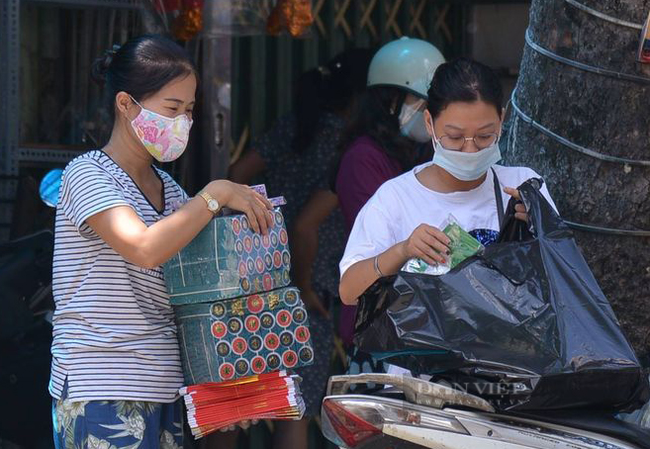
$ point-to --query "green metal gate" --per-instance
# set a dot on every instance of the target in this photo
(264, 68)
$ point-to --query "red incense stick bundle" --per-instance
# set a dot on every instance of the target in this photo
(212, 406)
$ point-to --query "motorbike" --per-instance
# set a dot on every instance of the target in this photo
(25, 339)
(26, 331)
(414, 413)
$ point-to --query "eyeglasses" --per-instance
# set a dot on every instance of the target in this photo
(481, 141)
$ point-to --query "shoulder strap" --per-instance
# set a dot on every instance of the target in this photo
(499, 198)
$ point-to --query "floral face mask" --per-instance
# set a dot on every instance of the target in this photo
(164, 138)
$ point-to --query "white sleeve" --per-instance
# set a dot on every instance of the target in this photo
(547, 195)
(371, 235)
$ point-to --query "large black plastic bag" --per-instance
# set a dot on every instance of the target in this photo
(524, 324)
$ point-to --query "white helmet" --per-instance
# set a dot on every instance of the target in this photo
(406, 63)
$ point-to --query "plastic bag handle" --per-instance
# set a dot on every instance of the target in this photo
(499, 199)
(542, 217)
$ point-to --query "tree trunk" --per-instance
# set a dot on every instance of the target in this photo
(600, 112)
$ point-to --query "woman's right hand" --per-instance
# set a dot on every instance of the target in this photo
(427, 243)
(242, 198)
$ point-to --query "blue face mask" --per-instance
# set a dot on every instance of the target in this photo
(411, 122)
(466, 166)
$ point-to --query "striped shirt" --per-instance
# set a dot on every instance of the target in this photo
(114, 331)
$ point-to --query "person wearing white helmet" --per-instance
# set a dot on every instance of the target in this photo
(408, 64)
(384, 138)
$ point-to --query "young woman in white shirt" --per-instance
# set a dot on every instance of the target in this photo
(403, 219)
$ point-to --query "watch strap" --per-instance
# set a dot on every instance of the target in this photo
(208, 199)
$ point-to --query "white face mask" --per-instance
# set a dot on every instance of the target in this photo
(411, 122)
(466, 166)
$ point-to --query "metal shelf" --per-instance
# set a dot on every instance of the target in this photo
(124, 4)
(47, 155)
(11, 155)
(9, 87)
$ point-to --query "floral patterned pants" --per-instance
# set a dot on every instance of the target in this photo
(116, 425)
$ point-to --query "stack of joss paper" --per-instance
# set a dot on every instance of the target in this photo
(240, 323)
(212, 406)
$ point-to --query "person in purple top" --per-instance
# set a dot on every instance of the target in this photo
(387, 135)
(292, 158)
(364, 167)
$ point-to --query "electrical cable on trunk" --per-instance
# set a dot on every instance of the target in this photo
(582, 66)
(604, 16)
(588, 152)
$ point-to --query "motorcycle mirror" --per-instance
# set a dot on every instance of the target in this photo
(49, 188)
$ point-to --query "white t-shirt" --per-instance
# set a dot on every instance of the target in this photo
(402, 204)
(114, 331)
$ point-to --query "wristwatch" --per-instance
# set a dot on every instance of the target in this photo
(213, 205)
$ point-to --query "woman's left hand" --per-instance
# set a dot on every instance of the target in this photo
(242, 198)
(520, 209)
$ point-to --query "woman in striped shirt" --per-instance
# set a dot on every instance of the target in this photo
(116, 367)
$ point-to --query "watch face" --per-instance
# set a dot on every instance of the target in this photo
(213, 205)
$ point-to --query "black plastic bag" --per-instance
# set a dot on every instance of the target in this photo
(523, 324)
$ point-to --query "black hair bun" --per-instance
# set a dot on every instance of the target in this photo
(101, 65)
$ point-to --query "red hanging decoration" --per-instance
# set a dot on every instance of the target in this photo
(190, 20)
(294, 15)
